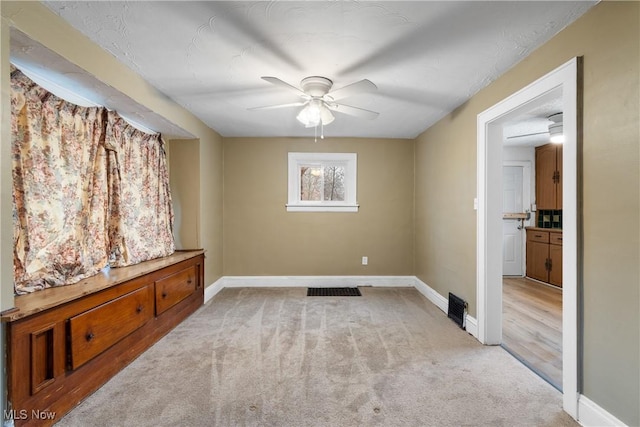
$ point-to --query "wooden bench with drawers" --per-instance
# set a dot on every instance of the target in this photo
(63, 343)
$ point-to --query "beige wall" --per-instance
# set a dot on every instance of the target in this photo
(262, 238)
(6, 217)
(210, 212)
(6, 186)
(202, 220)
(184, 180)
(445, 219)
(608, 37)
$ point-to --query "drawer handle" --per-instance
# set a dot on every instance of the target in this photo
(89, 336)
(164, 295)
(189, 281)
(139, 308)
(538, 235)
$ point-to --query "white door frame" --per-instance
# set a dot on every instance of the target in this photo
(489, 221)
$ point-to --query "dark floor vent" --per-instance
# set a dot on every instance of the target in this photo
(457, 309)
(333, 292)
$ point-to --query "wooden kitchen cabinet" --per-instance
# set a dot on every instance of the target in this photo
(537, 254)
(555, 268)
(549, 176)
(544, 255)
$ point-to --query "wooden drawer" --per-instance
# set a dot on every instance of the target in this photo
(94, 331)
(555, 238)
(174, 288)
(538, 236)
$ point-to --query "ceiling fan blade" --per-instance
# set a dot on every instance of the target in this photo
(363, 86)
(274, 107)
(276, 81)
(527, 134)
(353, 111)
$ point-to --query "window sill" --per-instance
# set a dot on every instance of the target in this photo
(322, 208)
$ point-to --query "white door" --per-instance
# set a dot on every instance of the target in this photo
(512, 235)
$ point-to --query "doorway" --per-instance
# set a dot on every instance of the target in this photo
(563, 80)
(531, 309)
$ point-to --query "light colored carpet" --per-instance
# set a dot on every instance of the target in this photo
(275, 357)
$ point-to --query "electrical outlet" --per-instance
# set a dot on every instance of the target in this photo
(365, 260)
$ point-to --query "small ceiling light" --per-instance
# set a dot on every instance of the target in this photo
(556, 131)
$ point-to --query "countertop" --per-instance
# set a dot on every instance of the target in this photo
(555, 230)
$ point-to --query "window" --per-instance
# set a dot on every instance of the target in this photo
(322, 182)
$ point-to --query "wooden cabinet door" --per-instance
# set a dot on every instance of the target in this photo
(537, 254)
(545, 172)
(555, 257)
(559, 175)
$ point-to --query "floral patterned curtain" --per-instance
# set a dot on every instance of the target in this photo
(89, 190)
(141, 221)
(60, 209)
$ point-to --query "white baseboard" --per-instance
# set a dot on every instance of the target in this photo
(316, 281)
(441, 302)
(471, 324)
(211, 290)
(590, 414)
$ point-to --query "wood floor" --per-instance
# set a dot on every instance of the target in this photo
(532, 326)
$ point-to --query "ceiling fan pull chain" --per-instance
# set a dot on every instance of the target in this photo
(321, 130)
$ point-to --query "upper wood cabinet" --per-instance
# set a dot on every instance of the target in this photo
(549, 176)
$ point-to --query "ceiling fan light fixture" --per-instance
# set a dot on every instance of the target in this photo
(320, 101)
(325, 115)
(309, 116)
(556, 129)
(314, 114)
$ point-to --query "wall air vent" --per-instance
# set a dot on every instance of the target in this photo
(457, 310)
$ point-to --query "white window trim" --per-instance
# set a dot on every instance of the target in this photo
(349, 160)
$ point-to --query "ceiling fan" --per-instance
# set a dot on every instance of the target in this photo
(555, 130)
(318, 100)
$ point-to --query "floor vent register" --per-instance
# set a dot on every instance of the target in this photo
(333, 292)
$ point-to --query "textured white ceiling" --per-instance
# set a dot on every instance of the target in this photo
(427, 58)
(70, 82)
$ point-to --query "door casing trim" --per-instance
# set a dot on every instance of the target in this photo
(489, 245)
